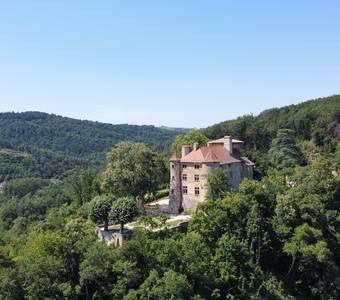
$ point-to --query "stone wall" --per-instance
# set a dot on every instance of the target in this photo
(180, 201)
(248, 172)
(235, 174)
(175, 193)
(191, 200)
(113, 237)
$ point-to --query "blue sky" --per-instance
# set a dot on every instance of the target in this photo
(176, 63)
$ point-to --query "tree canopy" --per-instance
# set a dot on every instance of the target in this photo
(100, 208)
(189, 139)
(131, 171)
(123, 210)
(283, 152)
(274, 238)
(277, 237)
(315, 119)
(218, 184)
(35, 144)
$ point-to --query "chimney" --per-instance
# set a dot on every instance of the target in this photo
(195, 146)
(185, 150)
(228, 143)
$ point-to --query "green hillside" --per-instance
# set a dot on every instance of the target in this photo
(35, 144)
(277, 237)
(317, 119)
(43, 145)
(316, 125)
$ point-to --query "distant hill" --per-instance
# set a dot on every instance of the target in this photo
(35, 144)
(47, 145)
(317, 120)
(178, 129)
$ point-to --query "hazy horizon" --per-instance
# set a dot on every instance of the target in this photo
(178, 64)
(161, 125)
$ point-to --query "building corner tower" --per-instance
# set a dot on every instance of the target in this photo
(175, 193)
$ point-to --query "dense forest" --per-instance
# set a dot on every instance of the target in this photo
(315, 119)
(316, 125)
(34, 144)
(277, 237)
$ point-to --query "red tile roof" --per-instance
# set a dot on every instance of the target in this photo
(213, 153)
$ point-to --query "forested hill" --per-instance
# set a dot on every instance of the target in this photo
(45, 145)
(317, 120)
(35, 144)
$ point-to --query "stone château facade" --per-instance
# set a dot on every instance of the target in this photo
(188, 174)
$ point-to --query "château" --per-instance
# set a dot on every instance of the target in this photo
(189, 174)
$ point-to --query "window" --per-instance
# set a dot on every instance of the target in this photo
(185, 190)
(184, 177)
(197, 177)
(197, 191)
(173, 178)
(184, 166)
(197, 166)
(172, 191)
(231, 174)
(172, 166)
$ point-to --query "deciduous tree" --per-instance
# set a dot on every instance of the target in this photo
(100, 208)
(123, 210)
(189, 139)
(218, 184)
(130, 171)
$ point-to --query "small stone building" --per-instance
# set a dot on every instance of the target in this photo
(188, 174)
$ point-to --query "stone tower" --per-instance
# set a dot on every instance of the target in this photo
(175, 197)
